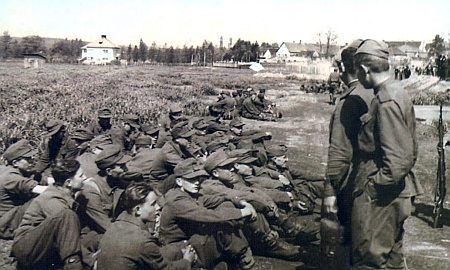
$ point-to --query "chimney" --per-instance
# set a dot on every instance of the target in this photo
(300, 41)
(103, 36)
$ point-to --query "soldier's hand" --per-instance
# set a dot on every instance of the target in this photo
(248, 210)
(300, 206)
(329, 205)
(189, 254)
(284, 180)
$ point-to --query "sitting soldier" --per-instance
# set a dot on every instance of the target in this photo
(17, 186)
(208, 223)
(49, 235)
(226, 182)
(128, 243)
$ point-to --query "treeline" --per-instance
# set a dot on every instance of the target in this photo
(244, 51)
(61, 51)
(70, 50)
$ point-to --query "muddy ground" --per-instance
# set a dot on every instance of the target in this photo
(304, 128)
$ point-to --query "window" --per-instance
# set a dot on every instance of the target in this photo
(104, 58)
(105, 51)
(85, 50)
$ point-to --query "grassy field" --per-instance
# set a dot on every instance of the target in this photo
(74, 93)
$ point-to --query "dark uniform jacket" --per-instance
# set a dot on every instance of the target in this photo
(143, 161)
(96, 204)
(97, 129)
(256, 197)
(249, 108)
(128, 244)
(183, 216)
(15, 189)
(388, 144)
(48, 204)
(344, 126)
(166, 160)
(51, 151)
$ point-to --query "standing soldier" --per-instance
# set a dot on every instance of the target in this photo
(343, 151)
(103, 125)
(333, 85)
(385, 182)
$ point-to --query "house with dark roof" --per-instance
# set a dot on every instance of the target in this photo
(412, 49)
(101, 51)
(292, 50)
(33, 60)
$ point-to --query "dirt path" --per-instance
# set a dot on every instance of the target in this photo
(304, 128)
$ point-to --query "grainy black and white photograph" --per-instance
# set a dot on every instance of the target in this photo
(224, 135)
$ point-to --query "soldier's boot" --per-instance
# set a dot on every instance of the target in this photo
(73, 263)
(246, 260)
(279, 248)
(290, 227)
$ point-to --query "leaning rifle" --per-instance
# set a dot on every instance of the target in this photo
(441, 189)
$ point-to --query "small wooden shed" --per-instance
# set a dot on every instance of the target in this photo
(33, 60)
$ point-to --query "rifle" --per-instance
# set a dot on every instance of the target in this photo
(441, 188)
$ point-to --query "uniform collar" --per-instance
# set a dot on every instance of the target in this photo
(129, 218)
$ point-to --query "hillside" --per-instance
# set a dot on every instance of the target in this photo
(48, 42)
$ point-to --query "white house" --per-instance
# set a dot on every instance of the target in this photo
(99, 52)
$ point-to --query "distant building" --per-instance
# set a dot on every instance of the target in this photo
(293, 51)
(101, 51)
(268, 54)
(33, 60)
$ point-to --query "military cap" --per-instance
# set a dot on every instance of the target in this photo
(252, 92)
(175, 108)
(150, 130)
(214, 126)
(20, 149)
(234, 94)
(244, 156)
(261, 136)
(236, 122)
(276, 150)
(189, 168)
(83, 134)
(348, 52)
(109, 156)
(373, 47)
(53, 126)
(100, 141)
(182, 130)
(216, 160)
(104, 113)
(199, 124)
(216, 144)
(132, 120)
(143, 140)
(262, 90)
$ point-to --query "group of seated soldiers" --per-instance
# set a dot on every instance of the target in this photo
(192, 192)
(246, 103)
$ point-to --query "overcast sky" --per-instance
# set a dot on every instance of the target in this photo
(190, 22)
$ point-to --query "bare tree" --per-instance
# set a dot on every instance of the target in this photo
(327, 39)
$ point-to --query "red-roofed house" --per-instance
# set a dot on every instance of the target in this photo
(99, 52)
